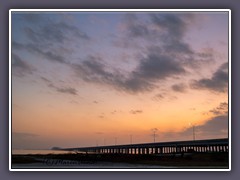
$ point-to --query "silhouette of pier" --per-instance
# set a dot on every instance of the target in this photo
(201, 146)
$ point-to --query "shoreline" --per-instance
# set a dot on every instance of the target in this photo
(188, 160)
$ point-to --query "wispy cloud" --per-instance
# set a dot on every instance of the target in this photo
(172, 23)
(218, 82)
(40, 50)
(179, 87)
(156, 63)
(136, 111)
(47, 54)
(166, 33)
(46, 80)
(157, 66)
(221, 109)
(158, 97)
(47, 37)
(20, 67)
(67, 90)
(170, 27)
(135, 27)
(151, 69)
(167, 27)
(54, 32)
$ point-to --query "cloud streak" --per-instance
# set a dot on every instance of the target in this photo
(179, 87)
(54, 32)
(66, 90)
(166, 30)
(40, 50)
(158, 97)
(19, 66)
(218, 82)
(155, 67)
(47, 37)
(221, 109)
(49, 55)
(136, 111)
(136, 28)
(173, 28)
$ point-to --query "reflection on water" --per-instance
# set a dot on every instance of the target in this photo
(17, 151)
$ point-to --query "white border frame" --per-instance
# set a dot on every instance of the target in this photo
(119, 10)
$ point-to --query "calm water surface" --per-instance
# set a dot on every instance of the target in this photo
(40, 152)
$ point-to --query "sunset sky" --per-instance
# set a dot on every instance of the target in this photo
(99, 78)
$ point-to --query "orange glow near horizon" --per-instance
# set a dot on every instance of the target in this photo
(68, 121)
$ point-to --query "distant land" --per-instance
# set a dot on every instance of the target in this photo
(55, 148)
